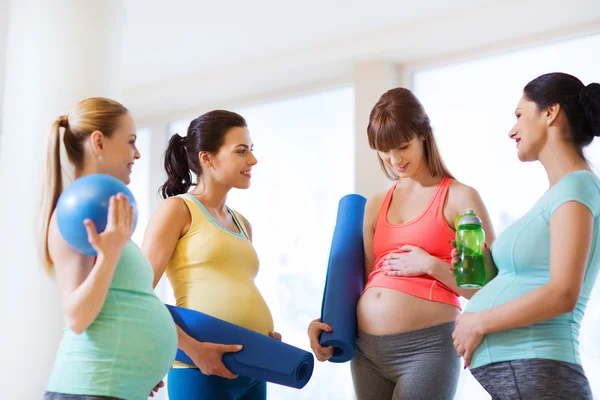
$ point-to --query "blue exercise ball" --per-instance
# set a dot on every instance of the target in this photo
(88, 198)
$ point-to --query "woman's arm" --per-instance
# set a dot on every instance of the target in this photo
(84, 285)
(370, 219)
(166, 226)
(462, 198)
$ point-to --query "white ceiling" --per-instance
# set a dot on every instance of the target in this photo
(162, 41)
(185, 55)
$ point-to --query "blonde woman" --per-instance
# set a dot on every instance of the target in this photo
(119, 340)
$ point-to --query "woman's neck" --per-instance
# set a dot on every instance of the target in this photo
(560, 158)
(211, 194)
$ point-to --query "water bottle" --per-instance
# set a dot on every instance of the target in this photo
(469, 272)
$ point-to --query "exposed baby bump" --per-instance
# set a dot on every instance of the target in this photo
(383, 311)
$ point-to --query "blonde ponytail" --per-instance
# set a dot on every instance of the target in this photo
(93, 114)
(52, 186)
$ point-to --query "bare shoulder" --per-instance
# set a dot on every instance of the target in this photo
(245, 220)
(460, 193)
(171, 215)
(61, 254)
(246, 224)
(173, 206)
(57, 246)
(373, 206)
(462, 197)
(376, 200)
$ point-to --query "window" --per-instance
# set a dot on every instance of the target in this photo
(471, 106)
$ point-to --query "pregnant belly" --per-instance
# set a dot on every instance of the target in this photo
(503, 289)
(384, 311)
(148, 336)
(236, 301)
(133, 338)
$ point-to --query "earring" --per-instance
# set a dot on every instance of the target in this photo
(100, 158)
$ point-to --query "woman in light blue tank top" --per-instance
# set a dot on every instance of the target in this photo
(519, 334)
(119, 340)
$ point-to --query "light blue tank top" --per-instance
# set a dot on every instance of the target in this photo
(130, 346)
(522, 255)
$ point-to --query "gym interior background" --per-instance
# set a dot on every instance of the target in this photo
(305, 76)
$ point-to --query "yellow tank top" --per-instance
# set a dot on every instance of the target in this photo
(212, 270)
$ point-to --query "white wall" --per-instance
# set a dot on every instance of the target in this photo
(438, 37)
(58, 52)
(3, 44)
(370, 81)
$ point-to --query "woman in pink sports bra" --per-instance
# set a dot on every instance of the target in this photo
(407, 310)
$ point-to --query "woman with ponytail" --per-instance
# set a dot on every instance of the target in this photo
(520, 333)
(119, 340)
(206, 250)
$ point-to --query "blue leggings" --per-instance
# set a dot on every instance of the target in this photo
(191, 384)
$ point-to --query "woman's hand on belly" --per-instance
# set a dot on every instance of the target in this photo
(315, 329)
(407, 261)
(208, 357)
(467, 335)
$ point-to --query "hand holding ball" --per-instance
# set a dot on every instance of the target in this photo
(88, 198)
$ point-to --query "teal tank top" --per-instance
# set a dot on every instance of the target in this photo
(130, 346)
(522, 255)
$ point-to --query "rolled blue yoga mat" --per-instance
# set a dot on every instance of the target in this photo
(345, 276)
(262, 357)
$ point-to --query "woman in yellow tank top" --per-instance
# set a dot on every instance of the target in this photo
(206, 250)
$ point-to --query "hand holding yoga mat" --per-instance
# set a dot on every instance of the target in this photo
(262, 357)
(344, 282)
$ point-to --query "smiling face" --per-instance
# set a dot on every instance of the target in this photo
(406, 160)
(400, 130)
(530, 132)
(118, 151)
(232, 164)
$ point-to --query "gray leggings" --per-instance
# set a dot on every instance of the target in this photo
(415, 365)
(63, 396)
(534, 379)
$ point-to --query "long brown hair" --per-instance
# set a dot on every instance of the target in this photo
(90, 115)
(397, 118)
